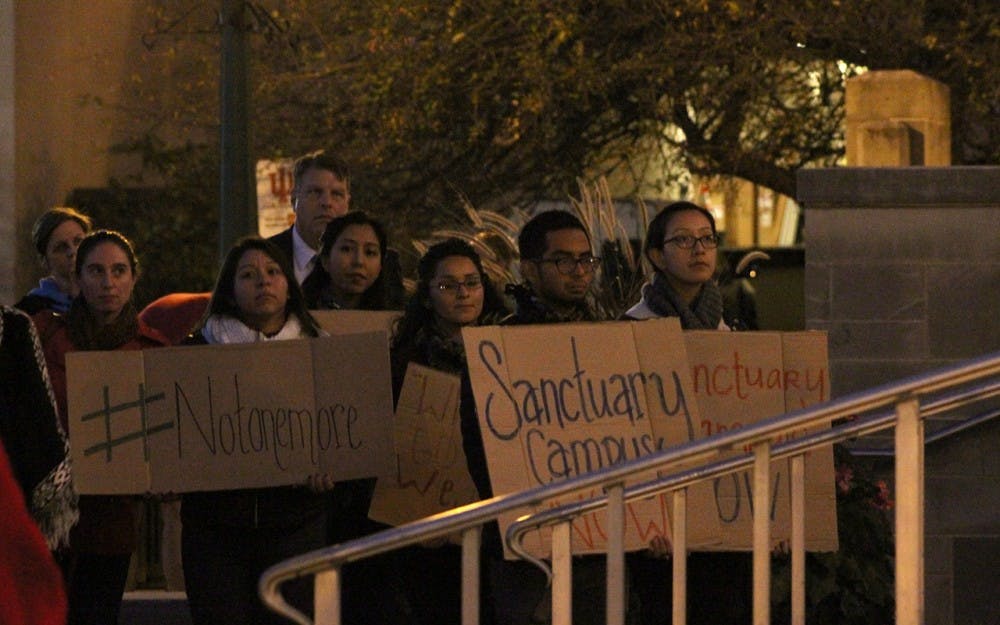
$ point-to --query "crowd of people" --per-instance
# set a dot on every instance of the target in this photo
(330, 258)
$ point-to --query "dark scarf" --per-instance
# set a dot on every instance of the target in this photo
(530, 309)
(704, 313)
(439, 351)
(87, 335)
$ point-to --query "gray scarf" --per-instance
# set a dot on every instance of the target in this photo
(704, 313)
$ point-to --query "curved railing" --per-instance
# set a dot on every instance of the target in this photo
(902, 404)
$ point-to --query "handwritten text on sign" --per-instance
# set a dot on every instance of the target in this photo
(742, 378)
(601, 394)
(596, 395)
(431, 472)
(230, 416)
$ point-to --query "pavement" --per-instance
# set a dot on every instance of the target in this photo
(154, 607)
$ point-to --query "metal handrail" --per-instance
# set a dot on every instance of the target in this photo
(326, 562)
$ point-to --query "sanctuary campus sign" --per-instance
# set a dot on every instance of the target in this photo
(601, 394)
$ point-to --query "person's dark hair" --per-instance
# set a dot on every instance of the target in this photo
(97, 237)
(320, 160)
(376, 297)
(51, 219)
(223, 300)
(531, 241)
(419, 312)
(657, 228)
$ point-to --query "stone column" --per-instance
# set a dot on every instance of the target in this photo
(897, 118)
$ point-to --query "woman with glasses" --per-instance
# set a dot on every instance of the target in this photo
(452, 292)
(681, 244)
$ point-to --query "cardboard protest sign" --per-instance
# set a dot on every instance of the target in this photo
(354, 321)
(111, 426)
(807, 382)
(229, 416)
(675, 417)
(582, 404)
(739, 379)
(431, 473)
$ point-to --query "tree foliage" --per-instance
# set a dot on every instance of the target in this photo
(506, 101)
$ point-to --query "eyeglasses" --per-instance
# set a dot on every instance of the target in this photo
(567, 265)
(687, 242)
(451, 286)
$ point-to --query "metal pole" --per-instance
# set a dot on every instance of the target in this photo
(679, 548)
(798, 469)
(471, 542)
(762, 533)
(327, 601)
(615, 608)
(909, 513)
(237, 202)
(562, 574)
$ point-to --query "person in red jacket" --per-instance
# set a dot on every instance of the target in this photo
(101, 317)
(31, 590)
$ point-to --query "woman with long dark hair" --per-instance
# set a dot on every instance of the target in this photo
(349, 272)
(452, 292)
(101, 317)
(230, 537)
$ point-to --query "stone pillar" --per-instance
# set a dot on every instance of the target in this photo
(897, 118)
(902, 269)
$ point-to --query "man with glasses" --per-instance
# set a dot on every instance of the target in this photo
(558, 268)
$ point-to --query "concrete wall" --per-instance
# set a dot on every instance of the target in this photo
(902, 268)
(8, 220)
(58, 59)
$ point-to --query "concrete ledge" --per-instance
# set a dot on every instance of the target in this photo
(154, 607)
(898, 187)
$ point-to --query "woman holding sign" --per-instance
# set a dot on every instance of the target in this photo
(350, 275)
(452, 292)
(230, 537)
(681, 244)
(101, 317)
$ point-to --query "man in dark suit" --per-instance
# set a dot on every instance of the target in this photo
(321, 191)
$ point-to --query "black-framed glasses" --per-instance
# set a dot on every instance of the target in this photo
(567, 264)
(687, 242)
(452, 286)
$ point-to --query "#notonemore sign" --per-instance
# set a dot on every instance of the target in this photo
(216, 417)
